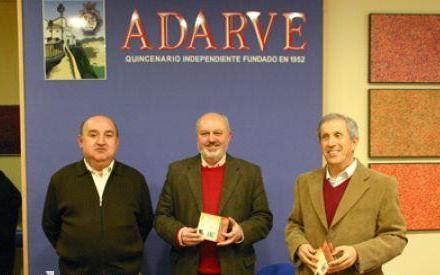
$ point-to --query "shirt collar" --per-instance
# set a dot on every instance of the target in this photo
(104, 171)
(221, 162)
(347, 173)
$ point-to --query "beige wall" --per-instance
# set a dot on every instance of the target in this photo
(10, 165)
(346, 91)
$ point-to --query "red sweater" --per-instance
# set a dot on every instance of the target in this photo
(332, 198)
(212, 185)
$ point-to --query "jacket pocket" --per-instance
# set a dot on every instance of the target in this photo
(249, 261)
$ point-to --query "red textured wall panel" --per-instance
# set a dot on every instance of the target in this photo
(405, 48)
(404, 123)
(419, 192)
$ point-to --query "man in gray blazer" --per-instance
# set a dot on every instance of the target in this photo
(347, 204)
(219, 184)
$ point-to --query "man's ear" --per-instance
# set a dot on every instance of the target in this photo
(117, 141)
(355, 143)
(79, 140)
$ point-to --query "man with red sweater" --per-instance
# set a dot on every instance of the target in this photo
(354, 208)
(215, 183)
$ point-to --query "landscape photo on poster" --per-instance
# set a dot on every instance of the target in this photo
(74, 39)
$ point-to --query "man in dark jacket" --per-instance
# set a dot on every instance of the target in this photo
(215, 183)
(98, 211)
(10, 202)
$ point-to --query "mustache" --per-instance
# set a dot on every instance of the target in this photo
(213, 143)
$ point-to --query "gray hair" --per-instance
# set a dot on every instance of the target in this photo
(224, 117)
(352, 126)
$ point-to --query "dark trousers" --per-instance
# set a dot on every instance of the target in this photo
(81, 268)
(7, 254)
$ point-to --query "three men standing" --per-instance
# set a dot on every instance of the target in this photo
(347, 204)
(215, 183)
(98, 212)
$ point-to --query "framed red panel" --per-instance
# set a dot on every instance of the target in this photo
(404, 123)
(9, 130)
(404, 48)
(419, 192)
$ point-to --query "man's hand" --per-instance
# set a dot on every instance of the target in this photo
(346, 257)
(307, 256)
(234, 236)
(190, 237)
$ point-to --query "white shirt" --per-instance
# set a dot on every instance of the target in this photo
(343, 176)
(100, 178)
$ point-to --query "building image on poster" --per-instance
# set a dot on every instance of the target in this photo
(74, 40)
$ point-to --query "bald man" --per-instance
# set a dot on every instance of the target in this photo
(98, 211)
(219, 184)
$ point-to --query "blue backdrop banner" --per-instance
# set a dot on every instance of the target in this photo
(155, 67)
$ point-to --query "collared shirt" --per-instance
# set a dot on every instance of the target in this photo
(221, 162)
(341, 177)
(100, 178)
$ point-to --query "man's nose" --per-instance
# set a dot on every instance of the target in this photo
(331, 141)
(100, 140)
(211, 137)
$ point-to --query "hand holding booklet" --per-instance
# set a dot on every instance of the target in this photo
(325, 256)
(211, 227)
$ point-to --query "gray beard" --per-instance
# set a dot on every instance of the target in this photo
(212, 156)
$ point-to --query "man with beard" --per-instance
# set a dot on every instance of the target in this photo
(215, 183)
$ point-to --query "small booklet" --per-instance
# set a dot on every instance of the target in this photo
(322, 265)
(324, 255)
(211, 227)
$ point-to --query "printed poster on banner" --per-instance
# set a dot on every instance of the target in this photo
(74, 39)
